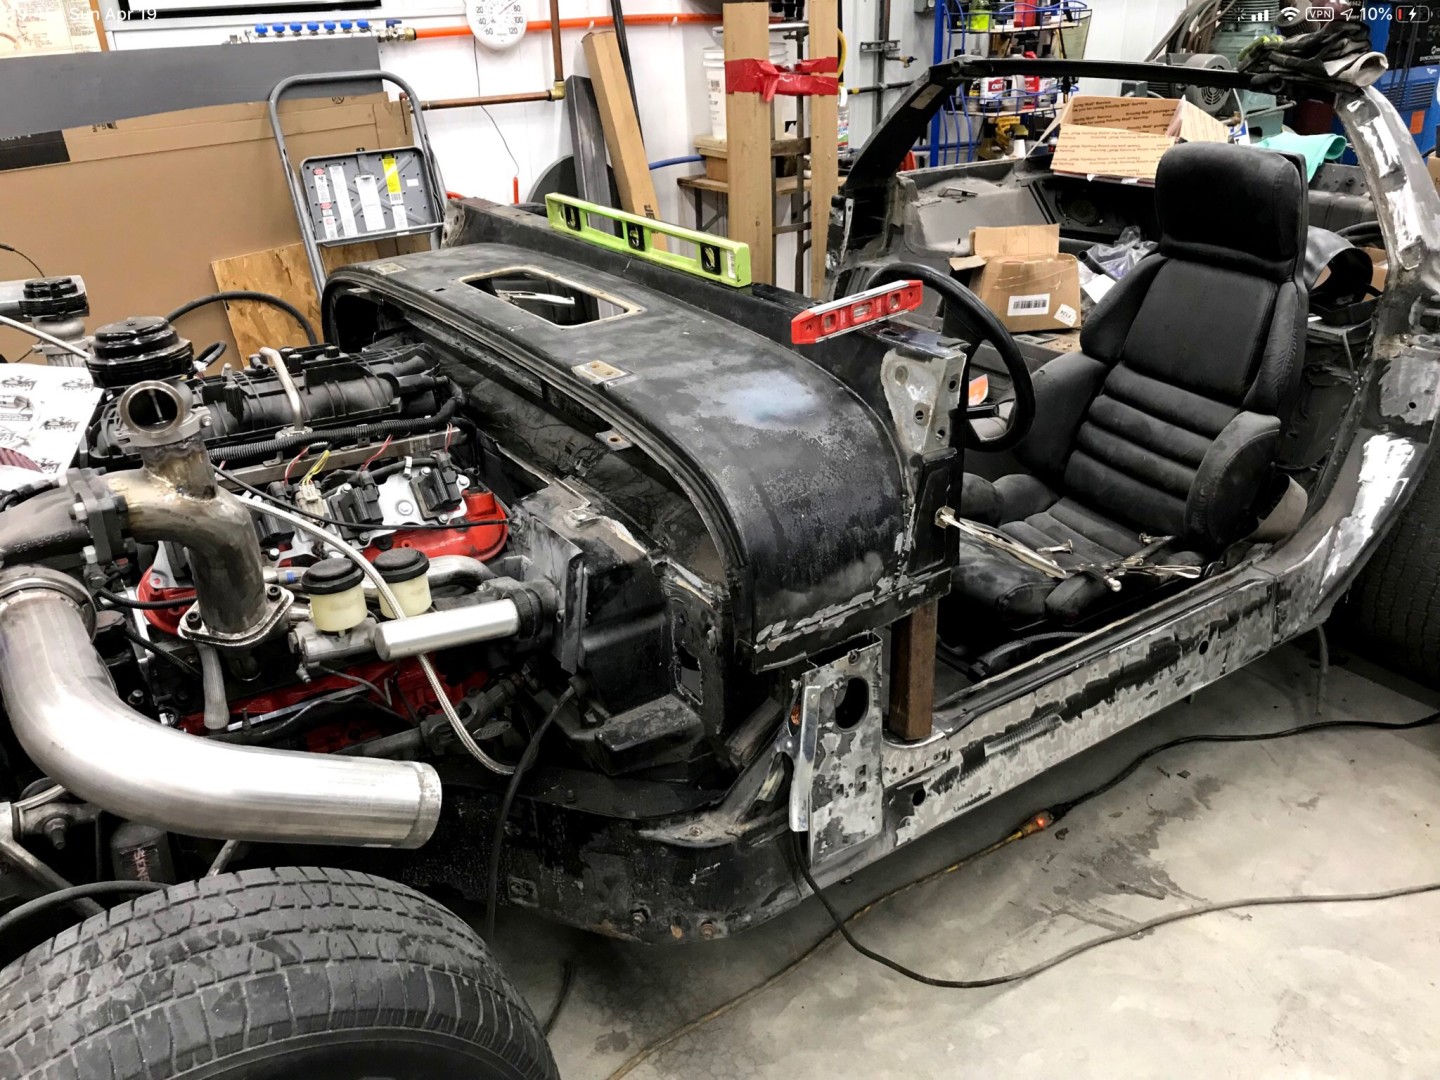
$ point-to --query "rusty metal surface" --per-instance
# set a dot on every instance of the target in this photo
(667, 877)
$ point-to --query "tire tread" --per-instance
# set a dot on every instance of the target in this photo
(169, 981)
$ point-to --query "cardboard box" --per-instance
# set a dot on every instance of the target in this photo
(141, 208)
(1125, 138)
(1380, 261)
(1021, 276)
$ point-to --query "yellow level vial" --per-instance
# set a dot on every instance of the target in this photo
(714, 258)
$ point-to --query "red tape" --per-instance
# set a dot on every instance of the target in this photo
(807, 78)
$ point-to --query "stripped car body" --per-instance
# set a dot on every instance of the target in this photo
(709, 549)
(653, 867)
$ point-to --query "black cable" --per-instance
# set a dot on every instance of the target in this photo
(1094, 943)
(18, 495)
(349, 525)
(1059, 810)
(249, 294)
(168, 657)
(142, 605)
(622, 41)
(497, 839)
(27, 258)
(74, 892)
(210, 354)
(797, 859)
(567, 979)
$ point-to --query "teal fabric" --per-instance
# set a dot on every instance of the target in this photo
(1315, 149)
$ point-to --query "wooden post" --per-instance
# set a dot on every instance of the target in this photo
(824, 137)
(622, 126)
(751, 206)
(912, 682)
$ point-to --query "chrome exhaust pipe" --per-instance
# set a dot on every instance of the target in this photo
(65, 713)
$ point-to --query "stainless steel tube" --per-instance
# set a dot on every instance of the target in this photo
(292, 392)
(66, 715)
(175, 497)
(436, 630)
(448, 570)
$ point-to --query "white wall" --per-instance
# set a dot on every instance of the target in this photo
(670, 81)
(1126, 30)
(669, 85)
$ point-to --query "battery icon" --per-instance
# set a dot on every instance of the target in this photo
(1412, 13)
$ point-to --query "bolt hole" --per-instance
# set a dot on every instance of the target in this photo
(941, 433)
(853, 704)
(953, 385)
(919, 416)
(1204, 647)
(918, 798)
(1412, 406)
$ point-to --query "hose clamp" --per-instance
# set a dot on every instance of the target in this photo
(20, 580)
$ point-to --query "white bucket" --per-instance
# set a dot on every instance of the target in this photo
(713, 59)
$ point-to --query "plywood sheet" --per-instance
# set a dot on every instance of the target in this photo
(283, 272)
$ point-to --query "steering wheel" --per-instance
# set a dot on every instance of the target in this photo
(979, 325)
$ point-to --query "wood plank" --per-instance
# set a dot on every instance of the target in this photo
(708, 146)
(622, 126)
(824, 136)
(784, 185)
(912, 686)
(748, 124)
(715, 153)
(283, 272)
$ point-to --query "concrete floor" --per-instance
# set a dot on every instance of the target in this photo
(1334, 990)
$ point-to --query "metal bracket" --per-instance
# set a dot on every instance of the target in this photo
(598, 372)
(834, 736)
(193, 628)
(15, 853)
(923, 393)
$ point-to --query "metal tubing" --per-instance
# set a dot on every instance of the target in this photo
(175, 497)
(215, 528)
(64, 711)
(494, 99)
(557, 82)
(436, 630)
(292, 392)
(557, 54)
(366, 567)
(49, 339)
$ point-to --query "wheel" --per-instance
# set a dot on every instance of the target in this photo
(1392, 613)
(274, 974)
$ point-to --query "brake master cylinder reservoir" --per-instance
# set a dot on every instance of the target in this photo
(337, 595)
(404, 570)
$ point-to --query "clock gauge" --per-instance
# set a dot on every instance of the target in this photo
(496, 24)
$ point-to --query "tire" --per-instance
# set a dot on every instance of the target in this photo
(275, 974)
(1392, 614)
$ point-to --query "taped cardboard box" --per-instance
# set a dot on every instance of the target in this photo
(142, 207)
(1125, 138)
(1020, 275)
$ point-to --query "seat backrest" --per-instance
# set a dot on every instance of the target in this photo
(1203, 342)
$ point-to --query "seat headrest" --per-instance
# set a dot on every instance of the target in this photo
(1234, 206)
